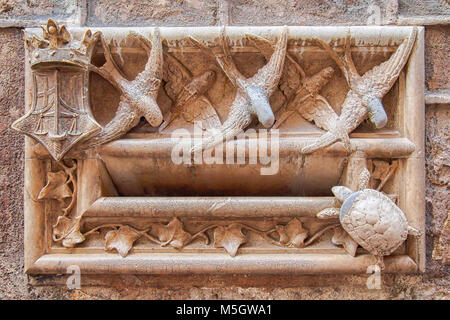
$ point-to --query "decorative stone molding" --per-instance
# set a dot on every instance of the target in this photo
(343, 105)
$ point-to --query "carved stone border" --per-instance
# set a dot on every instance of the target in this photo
(39, 261)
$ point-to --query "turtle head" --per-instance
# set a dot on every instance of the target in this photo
(341, 193)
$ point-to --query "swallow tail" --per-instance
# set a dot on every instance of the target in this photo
(324, 141)
(226, 133)
(124, 120)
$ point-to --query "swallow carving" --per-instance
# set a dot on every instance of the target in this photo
(364, 97)
(252, 94)
(137, 97)
(301, 91)
(188, 94)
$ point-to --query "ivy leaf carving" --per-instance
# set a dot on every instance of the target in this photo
(56, 187)
(230, 238)
(292, 234)
(121, 240)
(68, 231)
(341, 237)
(172, 234)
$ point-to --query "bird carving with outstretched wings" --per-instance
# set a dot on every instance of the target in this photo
(189, 95)
(301, 92)
(363, 100)
(252, 94)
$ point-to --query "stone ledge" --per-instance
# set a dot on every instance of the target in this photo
(423, 20)
(26, 14)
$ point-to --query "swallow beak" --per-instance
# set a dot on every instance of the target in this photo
(377, 114)
(259, 101)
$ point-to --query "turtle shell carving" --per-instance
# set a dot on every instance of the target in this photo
(374, 221)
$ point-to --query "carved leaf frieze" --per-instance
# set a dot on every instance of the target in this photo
(121, 239)
(60, 186)
(67, 230)
(57, 187)
(292, 234)
(342, 238)
(230, 238)
(172, 234)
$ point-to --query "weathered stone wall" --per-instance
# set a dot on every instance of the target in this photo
(16, 14)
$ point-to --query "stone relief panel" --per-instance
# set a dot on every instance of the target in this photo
(224, 149)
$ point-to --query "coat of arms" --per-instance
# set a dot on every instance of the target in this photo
(59, 116)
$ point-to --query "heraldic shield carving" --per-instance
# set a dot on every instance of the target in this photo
(60, 115)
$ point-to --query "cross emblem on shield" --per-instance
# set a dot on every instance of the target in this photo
(59, 116)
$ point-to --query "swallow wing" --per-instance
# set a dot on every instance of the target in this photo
(203, 112)
(224, 59)
(319, 111)
(382, 77)
(268, 76)
(176, 76)
(153, 71)
(291, 76)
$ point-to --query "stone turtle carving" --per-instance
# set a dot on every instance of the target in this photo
(372, 219)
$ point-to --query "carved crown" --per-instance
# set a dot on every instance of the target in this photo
(57, 46)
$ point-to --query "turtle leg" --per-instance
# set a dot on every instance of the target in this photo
(328, 213)
(380, 261)
(414, 232)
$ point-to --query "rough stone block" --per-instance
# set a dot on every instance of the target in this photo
(32, 13)
(11, 163)
(353, 12)
(419, 12)
(423, 7)
(437, 56)
(438, 145)
(154, 12)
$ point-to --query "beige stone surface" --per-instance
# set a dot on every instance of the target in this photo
(423, 7)
(30, 13)
(11, 155)
(433, 284)
(353, 12)
(438, 174)
(149, 13)
(437, 55)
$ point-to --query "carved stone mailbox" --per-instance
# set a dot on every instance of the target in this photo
(220, 150)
